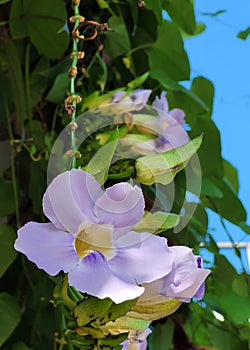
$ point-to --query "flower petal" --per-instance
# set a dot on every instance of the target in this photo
(188, 277)
(49, 248)
(70, 198)
(161, 102)
(178, 115)
(121, 205)
(141, 257)
(93, 276)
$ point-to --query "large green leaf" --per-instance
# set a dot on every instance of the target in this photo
(155, 5)
(168, 58)
(231, 176)
(229, 206)
(58, 91)
(42, 21)
(117, 43)
(10, 315)
(7, 251)
(164, 166)
(182, 13)
(100, 162)
(200, 121)
(15, 79)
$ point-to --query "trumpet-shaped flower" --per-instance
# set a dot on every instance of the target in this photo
(185, 281)
(133, 102)
(168, 126)
(89, 237)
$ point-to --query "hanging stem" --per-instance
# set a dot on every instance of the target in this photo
(73, 99)
(13, 169)
(27, 84)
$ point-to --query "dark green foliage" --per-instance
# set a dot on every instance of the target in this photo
(144, 51)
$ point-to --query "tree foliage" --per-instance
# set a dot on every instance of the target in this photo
(144, 51)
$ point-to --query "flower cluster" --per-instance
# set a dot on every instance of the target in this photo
(168, 125)
(90, 236)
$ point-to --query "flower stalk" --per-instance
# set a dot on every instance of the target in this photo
(72, 100)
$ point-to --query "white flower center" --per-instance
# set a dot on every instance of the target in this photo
(97, 237)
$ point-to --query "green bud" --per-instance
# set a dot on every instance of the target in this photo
(163, 167)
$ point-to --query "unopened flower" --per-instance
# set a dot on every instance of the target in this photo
(137, 340)
(89, 237)
(185, 281)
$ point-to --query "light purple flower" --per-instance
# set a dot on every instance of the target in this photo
(169, 126)
(90, 238)
(133, 102)
(185, 281)
(137, 340)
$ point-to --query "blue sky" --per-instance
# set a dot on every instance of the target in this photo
(220, 56)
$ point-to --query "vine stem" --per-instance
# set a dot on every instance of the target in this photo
(73, 78)
(13, 168)
(27, 84)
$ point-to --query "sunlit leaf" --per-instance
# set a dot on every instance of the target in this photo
(168, 58)
(182, 13)
(100, 162)
(157, 222)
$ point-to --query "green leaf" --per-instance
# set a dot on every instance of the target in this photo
(133, 84)
(168, 58)
(114, 312)
(213, 14)
(10, 316)
(37, 185)
(240, 285)
(244, 34)
(229, 206)
(163, 167)
(231, 176)
(103, 77)
(15, 79)
(38, 82)
(162, 336)
(58, 91)
(42, 21)
(209, 188)
(117, 43)
(7, 252)
(100, 162)
(3, 2)
(200, 27)
(89, 309)
(182, 13)
(155, 5)
(124, 324)
(157, 222)
(6, 191)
